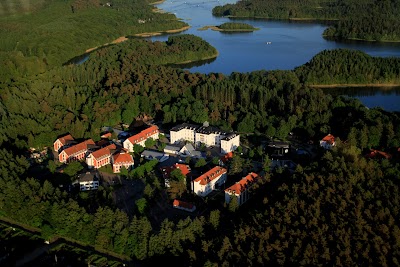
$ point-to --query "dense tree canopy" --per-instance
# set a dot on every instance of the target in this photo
(368, 20)
(342, 209)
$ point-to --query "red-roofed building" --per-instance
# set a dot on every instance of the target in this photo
(122, 160)
(76, 152)
(328, 142)
(182, 205)
(106, 135)
(166, 171)
(376, 154)
(101, 157)
(63, 142)
(228, 156)
(205, 183)
(241, 189)
(140, 138)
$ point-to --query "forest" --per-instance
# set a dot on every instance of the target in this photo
(236, 26)
(365, 20)
(51, 33)
(339, 209)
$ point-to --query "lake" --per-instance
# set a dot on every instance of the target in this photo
(291, 44)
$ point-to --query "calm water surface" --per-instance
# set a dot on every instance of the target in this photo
(292, 44)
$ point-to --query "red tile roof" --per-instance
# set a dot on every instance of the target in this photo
(143, 135)
(243, 184)
(106, 135)
(210, 175)
(122, 158)
(103, 142)
(65, 139)
(105, 151)
(185, 169)
(330, 139)
(227, 156)
(376, 153)
(183, 204)
(79, 147)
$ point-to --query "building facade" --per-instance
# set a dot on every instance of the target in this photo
(76, 152)
(63, 142)
(207, 182)
(230, 143)
(241, 189)
(140, 138)
(101, 157)
(183, 132)
(88, 181)
(207, 135)
(120, 160)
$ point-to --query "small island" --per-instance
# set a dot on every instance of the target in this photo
(231, 27)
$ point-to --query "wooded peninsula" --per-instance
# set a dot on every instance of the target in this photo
(337, 208)
(357, 20)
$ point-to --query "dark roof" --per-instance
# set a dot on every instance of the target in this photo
(229, 136)
(185, 126)
(87, 177)
(210, 130)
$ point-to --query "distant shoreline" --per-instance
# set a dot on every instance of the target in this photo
(149, 34)
(216, 28)
(382, 85)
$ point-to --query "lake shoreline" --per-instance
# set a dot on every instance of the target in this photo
(216, 28)
(377, 85)
(192, 61)
(314, 20)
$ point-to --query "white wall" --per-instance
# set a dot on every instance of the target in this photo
(230, 145)
(204, 190)
(182, 135)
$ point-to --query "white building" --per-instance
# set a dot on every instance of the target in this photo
(171, 149)
(207, 135)
(205, 183)
(140, 138)
(230, 143)
(88, 181)
(241, 189)
(183, 132)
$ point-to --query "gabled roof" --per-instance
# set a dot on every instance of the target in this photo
(79, 147)
(227, 157)
(210, 175)
(105, 151)
(330, 139)
(376, 153)
(66, 139)
(183, 204)
(123, 158)
(243, 184)
(189, 150)
(87, 177)
(106, 135)
(143, 134)
(185, 169)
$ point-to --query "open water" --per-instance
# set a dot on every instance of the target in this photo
(277, 45)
